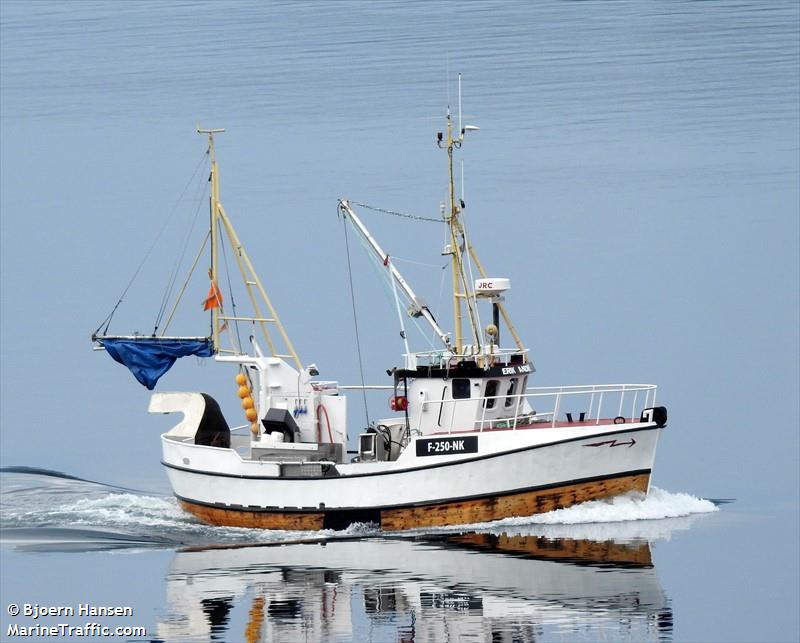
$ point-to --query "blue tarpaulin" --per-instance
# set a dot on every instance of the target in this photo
(149, 358)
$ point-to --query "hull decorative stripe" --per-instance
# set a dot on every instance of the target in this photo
(419, 468)
(448, 512)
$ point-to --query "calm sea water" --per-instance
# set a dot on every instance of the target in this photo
(636, 175)
(584, 573)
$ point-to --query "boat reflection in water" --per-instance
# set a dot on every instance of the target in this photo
(525, 585)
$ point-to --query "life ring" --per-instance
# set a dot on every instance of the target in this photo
(619, 420)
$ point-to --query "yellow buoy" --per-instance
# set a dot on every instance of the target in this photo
(254, 428)
(244, 391)
(247, 403)
(241, 379)
(251, 415)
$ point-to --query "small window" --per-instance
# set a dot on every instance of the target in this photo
(491, 391)
(460, 389)
(512, 385)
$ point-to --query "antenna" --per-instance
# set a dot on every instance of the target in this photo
(459, 107)
(447, 77)
(462, 181)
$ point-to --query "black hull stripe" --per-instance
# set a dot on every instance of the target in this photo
(533, 447)
(427, 503)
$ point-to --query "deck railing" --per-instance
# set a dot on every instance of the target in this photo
(441, 358)
(540, 405)
(591, 403)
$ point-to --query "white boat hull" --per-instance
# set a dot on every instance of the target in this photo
(511, 473)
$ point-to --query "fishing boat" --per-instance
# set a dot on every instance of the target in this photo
(467, 440)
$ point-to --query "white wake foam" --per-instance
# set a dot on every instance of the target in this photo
(656, 505)
(123, 509)
(30, 502)
(632, 516)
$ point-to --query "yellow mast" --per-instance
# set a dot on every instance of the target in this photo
(214, 214)
(459, 244)
(251, 279)
(461, 289)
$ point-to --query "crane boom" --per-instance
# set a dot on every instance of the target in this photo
(422, 309)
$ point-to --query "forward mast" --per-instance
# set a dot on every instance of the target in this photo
(219, 219)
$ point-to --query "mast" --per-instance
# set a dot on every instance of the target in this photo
(214, 216)
(254, 287)
(462, 255)
(457, 245)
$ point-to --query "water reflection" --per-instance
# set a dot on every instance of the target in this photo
(500, 586)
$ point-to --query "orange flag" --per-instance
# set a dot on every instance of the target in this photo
(214, 299)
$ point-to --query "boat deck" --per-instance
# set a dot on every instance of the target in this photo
(240, 442)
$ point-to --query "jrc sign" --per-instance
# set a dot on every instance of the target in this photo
(492, 286)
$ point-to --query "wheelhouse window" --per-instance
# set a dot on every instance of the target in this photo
(512, 389)
(461, 389)
(489, 396)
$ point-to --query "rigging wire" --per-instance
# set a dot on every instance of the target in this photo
(179, 261)
(386, 280)
(107, 320)
(438, 301)
(418, 263)
(445, 239)
(355, 317)
(471, 277)
(185, 284)
(238, 347)
(397, 214)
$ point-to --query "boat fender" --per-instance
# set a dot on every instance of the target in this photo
(619, 420)
(213, 430)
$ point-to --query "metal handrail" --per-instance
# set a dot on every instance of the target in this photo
(442, 357)
(358, 387)
(559, 392)
(597, 395)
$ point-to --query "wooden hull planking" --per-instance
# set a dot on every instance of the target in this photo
(457, 512)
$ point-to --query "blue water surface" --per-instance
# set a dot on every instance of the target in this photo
(636, 175)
